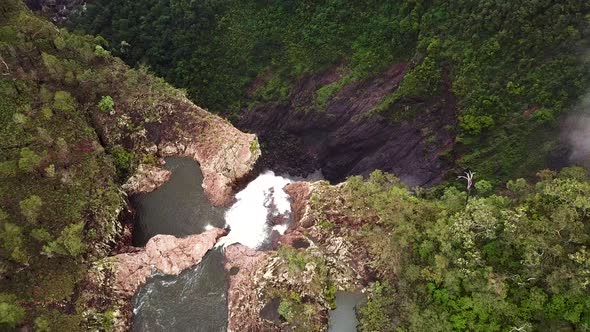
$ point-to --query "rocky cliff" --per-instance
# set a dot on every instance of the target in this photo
(56, 10)
(346, 139)
(176, 127)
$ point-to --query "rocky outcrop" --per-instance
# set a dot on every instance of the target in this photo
(242, 264)
(344, 139)
(314, 261)
(299, 192)
(146, 179)
(57, 10)
(155, 125)
(336, 236)
(164, 254)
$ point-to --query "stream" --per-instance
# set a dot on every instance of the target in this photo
(196, 300)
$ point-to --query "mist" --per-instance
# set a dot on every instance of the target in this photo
(577, 132)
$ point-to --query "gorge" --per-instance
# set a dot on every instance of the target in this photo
(315, 186)
(195, 300)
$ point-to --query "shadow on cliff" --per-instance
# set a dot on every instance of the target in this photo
(344, 140)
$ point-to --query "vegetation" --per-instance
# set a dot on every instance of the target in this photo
(514, 67)
(516, 260)
(59, 179)
(306, 288)
(106, 104)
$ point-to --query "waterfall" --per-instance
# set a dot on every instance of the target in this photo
(261, 207)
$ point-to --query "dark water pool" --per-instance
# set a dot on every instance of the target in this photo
(343, 318)
(195, 300)
(178, 207)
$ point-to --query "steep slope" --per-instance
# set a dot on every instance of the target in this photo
(514, 68)
(75, 124)
(347, 139)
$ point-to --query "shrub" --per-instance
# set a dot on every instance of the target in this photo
(59, 43)
(70, 242)
(30, 208)
(106, 104)
(46, 94)
(11, 240)
(29, 160)
(11, 314)
(64, 101)
(483, 187)
(374, 315)
(574, 172)
(42, 324)
(20, 118)
(47, 112)
(122, 160)
(41, 235)
(8, 168)
(50, 171)
(100, 52)
(53, 65)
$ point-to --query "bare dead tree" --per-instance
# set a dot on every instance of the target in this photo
(6, 65)
(468, 177)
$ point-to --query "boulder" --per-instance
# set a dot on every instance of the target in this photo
(165, 254)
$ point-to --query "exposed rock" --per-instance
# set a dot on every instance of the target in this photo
(323, 260)
(226, 155)
(243, 305)
(163, 253)
(146, 179)
(57, 10)
(177, 127)
(344, 139)
(337, 239)
(299, 192)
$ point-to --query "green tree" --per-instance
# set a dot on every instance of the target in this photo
(123, 161)
(42, 325)
(41, 235)
(29, 161)
(12, 243)
(64, 101)
(11, 314)
(30, 208)
(70, 242)
(483, 187)
(106, 104)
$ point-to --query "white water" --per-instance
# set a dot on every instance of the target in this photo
(248, 218)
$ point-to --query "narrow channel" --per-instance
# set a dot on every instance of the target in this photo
(195, 300)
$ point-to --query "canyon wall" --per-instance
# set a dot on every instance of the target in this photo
(346, 138)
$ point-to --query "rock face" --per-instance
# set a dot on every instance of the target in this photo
(174, 126)
(146, 179)
(300, 192)
(313, 262)
(344, 139)
(163, 253)
(242, 263)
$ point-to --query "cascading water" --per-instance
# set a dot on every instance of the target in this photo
(261, 208)
(196, 299)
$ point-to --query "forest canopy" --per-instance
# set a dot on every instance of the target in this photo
(515, 67)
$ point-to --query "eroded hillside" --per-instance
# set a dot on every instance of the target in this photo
(507, 72)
